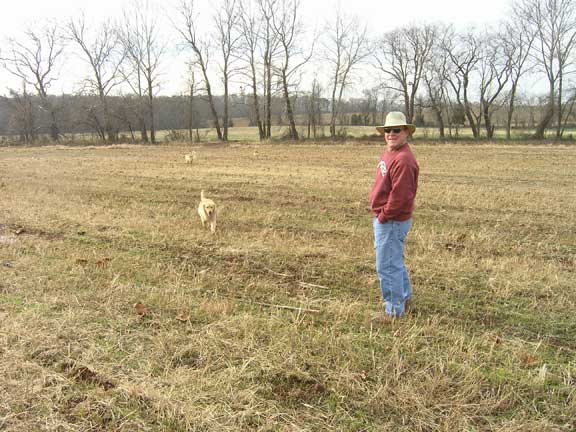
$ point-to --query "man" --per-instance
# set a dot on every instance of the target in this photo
(392, 203)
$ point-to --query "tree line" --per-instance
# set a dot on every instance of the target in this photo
(436, 73)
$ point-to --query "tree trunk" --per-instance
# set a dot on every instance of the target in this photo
(191, 110)
(143, 130)
(543, 124)
(54, 129)
(225, 119)
(151, 113)
(439, 120)
(211, 103)
(261, 131)
(268, 97)
(410, 113)
(510, 112)
(108, 124)
(468, 110)
(547, 117)
(559, 105)
(471, 121)
(100, 130)
(334, 111)
(407, 106)
(289, 112)
(131, 132)
(487, 120)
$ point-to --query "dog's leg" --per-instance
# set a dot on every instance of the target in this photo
(202, 215)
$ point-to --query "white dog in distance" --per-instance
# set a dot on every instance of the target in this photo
(190, 158)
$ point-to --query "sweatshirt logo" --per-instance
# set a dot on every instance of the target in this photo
(382, 166)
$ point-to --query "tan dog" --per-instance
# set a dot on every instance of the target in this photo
(190, 158)
(207, 212)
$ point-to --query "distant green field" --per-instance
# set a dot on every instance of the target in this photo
(244, 133)
(250, 133)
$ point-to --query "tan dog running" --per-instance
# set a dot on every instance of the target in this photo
(207, 212)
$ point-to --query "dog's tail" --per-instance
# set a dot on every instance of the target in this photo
(202, 194)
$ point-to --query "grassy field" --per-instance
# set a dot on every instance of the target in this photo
(118, 312)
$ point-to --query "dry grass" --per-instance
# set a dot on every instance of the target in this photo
(86, 233)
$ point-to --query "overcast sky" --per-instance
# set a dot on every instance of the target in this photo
(379, 15)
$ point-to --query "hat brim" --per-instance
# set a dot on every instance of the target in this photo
(410, 127)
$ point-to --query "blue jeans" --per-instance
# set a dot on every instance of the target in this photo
(389, 242)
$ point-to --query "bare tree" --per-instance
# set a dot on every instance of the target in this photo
(313, 114)
(35, 59)
(402, 55)
(568, 109)
(143, 50)
(554, 23)
(463, 52)
(369, 105)
(494, 68)
(288, 29)
(269, 51)
(435, 81)
(102, 52)
(201, 53)
(191, 118)
(516, 45)
(131, 72)
(227, 35)
(251, 27)
(270, 48)
(23, 118)
(374, 104)
(436, 84)
(345, 47)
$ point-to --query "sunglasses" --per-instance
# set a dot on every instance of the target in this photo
(395, 130)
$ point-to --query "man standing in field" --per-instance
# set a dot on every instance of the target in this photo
(392, 203)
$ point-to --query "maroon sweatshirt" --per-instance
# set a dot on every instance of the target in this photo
(394, 190)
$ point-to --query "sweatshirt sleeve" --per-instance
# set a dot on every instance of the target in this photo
(403, 192)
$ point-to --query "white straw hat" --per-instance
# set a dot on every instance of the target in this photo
(396, 119)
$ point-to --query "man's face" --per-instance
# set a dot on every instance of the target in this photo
(396, 137)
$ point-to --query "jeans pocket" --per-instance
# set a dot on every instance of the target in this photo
(401, 229)
(382, 232)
